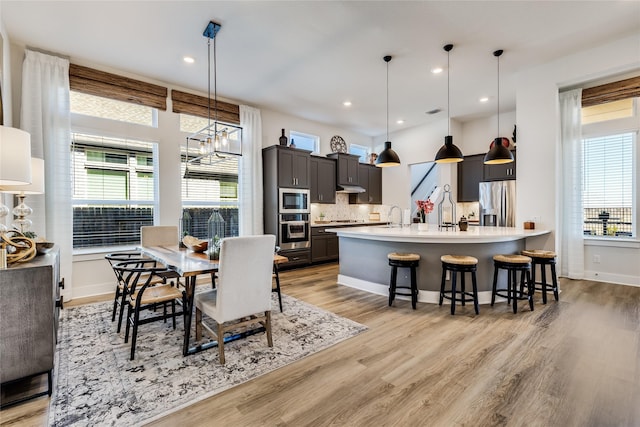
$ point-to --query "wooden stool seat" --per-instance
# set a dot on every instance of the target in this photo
(459, 264)
(512, 259)
(398, 256)
(513, 263)
(403, 260)
(459, 259)
(543, 258)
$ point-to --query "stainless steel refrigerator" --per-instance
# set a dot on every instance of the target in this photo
(498, 203)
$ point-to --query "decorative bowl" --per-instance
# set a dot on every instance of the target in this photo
(195, 244)
(44, 247)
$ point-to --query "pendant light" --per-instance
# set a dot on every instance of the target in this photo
(498, 153)
(448, 153)
(387, 157)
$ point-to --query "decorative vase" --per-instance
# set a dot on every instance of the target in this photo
(423, 226)
(283, 139)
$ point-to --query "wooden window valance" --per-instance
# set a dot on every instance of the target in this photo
(186, 103)
(628, 88)
(107, 85)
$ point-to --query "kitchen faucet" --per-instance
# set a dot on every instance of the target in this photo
(390, 218)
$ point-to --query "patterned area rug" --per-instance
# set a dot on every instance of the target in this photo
(95, 383)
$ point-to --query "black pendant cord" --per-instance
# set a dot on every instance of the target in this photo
(448, 97)
(215, 85)
(209, 85)
(497, 54)
(387, 96)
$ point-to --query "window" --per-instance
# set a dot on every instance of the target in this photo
(305, 141)
(96, 106)
(609, 171)
(113, 190)
(360, 150)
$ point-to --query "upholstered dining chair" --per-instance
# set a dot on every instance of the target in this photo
(243, 293)
(145, 287)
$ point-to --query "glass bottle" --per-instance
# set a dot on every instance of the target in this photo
(283, 139)
(215, 226)
(185, 225)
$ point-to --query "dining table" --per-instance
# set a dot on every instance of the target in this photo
(189, 264)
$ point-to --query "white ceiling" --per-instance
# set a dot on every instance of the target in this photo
(305, 58)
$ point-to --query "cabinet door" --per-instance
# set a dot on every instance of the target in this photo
(313, 172)
(332, 247)
(353, 169)
(347, 168)
(301, 169)
(375, 185)
(470, 174)
(505, 171)
(318, 248)
(286, 176)
(327, 181)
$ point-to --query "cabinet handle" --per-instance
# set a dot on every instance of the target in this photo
(61, 283)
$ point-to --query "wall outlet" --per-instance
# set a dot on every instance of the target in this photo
(596, 259)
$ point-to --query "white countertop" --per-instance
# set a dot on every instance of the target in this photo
(433, 235)
(346, 223)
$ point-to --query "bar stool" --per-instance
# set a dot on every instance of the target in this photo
(512, 264)
(402, 260)
(459, 264)
(543, 258)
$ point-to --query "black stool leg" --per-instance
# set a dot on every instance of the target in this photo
(414, 288)
(444, 275)
(495, 285)
(514, 287)
(453, 292)
(392, 285)
(543, 271)
(554, 280)
(475, 292)
(462, 288)
(532, 288)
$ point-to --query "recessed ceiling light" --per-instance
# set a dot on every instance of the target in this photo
(484, 99)
(188, 59)
(347, 103)
(437, 70)
(400, 121)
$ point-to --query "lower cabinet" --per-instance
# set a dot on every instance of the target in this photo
(29, 305)
(297, 257)
(324, 245)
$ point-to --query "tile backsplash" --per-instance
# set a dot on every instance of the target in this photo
(342, 210)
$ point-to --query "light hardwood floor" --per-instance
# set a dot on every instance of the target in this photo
(575, 362)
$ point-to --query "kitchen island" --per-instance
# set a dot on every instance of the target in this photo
(364, 265)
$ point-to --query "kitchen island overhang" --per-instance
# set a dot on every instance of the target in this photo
(364, 264)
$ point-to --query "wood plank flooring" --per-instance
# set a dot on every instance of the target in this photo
(575, 362)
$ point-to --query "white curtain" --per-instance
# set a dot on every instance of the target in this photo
(571, 253)
(45, 115)
(250, 179)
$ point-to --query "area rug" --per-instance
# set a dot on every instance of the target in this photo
(95, 383)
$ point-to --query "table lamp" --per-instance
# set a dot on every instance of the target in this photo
(15, 162)
(21, 211)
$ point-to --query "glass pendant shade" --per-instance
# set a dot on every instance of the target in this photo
(449, 153)
(498, 154)
(387, 157)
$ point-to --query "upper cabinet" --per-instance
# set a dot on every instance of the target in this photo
(505, 171)
(370, 178)
(470, 174)
(347, 168)
(292, 165)
(323, 180)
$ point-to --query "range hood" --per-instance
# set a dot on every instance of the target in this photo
(349, 189)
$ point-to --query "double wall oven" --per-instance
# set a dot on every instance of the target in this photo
(293, 217)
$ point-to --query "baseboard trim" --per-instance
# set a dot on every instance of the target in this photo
(616, 279)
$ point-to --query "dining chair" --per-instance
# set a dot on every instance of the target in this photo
(119, 295)
(145, 287)
(242, 291)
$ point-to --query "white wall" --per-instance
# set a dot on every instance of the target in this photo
(538, 135)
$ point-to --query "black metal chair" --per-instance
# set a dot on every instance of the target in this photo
(145, 288)
(119, 297)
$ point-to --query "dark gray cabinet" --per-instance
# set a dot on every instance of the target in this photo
(324, 245)
(323, 180)
(470, 174)
(505, 171)
(347, 168)
(369, 178)
(29, 303)
(290, 165)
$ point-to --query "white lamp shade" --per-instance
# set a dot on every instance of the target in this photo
(15, 156)
(37, 180)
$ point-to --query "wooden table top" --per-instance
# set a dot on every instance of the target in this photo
(188, 263)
